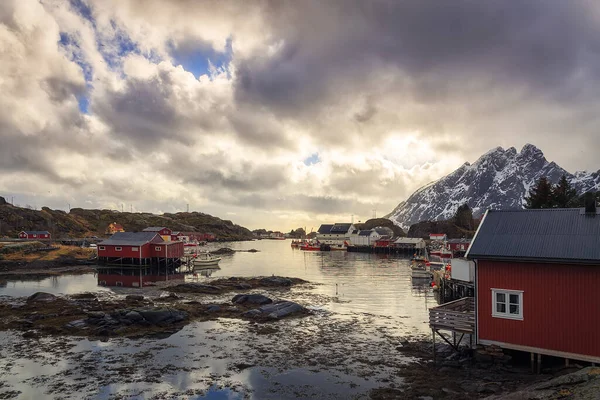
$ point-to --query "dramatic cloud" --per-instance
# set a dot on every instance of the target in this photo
(284, 113)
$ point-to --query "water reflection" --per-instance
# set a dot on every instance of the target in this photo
(63, 284)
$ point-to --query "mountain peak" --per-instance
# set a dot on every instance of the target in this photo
(499, 179)
(530, 150)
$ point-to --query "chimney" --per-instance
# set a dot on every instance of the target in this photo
(589, 202)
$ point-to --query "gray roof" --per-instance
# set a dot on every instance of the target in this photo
(551, 235)
(154, 228)
(459, 240)
(340, 228)
(131, 238)
(365, 233)
(325, 228)
(37, 232)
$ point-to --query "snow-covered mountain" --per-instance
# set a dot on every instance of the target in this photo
(499, 179)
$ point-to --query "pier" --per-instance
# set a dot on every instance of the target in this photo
(457, 317)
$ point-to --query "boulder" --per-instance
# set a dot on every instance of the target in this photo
(251, 299)
(41, 296)
(96, 314)
(243, 286)
(134, 316)
(163, 316)
(276, 281)
(134, 297)
(276, 310)
(193, 287)
(78, 324)
(213, 308)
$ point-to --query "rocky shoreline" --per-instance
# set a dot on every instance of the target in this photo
(93, 315)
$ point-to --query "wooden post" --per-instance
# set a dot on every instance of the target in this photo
(539, 363)
(433, 334)
(532, 362)
(567, 362)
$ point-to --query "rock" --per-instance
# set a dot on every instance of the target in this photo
(251, 298)
(134, 316)
(83, 296)
(276, 281)
(96, 314)
(134, 297)
(213, 308)
(281, 309)
(243, 286)
(252, 313)
(253, 251)
(488, 388)
(223, 250)
(41, 296)
(193, 287)
(163, 316)
(77, 324)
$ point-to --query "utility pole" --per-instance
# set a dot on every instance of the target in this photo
(131, 208)
(352, 218)
(188, 207)
(121, 207)
(374, 213)
(69, 205)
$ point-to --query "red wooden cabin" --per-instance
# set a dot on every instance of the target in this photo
(34, 235)
(536, 276)
(458, 245)
(136, 258)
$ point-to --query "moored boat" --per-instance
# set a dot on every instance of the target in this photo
(311, 246)
(205, 259)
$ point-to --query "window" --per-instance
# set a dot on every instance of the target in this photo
(118, 248)
(507, 303)
(34, 235)
(134, 249)
(157, 248)
(102, 248)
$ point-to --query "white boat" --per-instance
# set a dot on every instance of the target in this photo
(420, 271)
(204, 259)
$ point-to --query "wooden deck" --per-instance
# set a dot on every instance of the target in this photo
(457, 316)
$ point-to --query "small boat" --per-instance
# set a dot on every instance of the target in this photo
(297, 243)
(308, 246)
(205, 258)
(420, 271)
(338, 247)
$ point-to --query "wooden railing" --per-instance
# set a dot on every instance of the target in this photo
(456, 316)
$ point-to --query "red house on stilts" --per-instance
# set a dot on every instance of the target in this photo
(536, 274)
(138, 258)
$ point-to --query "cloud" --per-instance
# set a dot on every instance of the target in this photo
(224, 105)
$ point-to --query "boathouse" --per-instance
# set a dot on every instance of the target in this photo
(164, 232)
(34, 235)
(441, 237)
(536, 274)
(137, 258)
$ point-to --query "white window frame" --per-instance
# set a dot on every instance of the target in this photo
(157, 248)
(34, 235)
(135, 249)
(101, 248)
(507, 293)
(118, 248)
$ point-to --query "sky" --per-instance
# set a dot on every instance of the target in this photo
(284, 114)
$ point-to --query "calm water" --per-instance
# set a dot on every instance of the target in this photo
(365, 305)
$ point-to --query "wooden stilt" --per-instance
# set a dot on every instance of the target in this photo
(433, 334)
(566, 362)
(539, 363)
(532, 362)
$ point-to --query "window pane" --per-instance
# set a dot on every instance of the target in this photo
(514, 309)
(514, 299)
(501, 297)
(501, 307)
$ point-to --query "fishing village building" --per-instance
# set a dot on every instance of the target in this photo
(113, 228)
(34, 235)
(138, 258)
(536, 273)
(164, 232)
(335, 233)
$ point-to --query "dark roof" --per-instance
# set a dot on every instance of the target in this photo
(459, 240)
(365, 233)
(37, 232)
(154, 228)
(551, 235)
(131, 238)
(325, 228)
(340, 228)
(382, 230)
(354, 232)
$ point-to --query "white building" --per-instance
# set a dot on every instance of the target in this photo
(337, 233)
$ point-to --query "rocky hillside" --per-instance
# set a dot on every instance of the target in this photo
(424, 228)
(384, 222)
(80, 222)
(500, 179)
